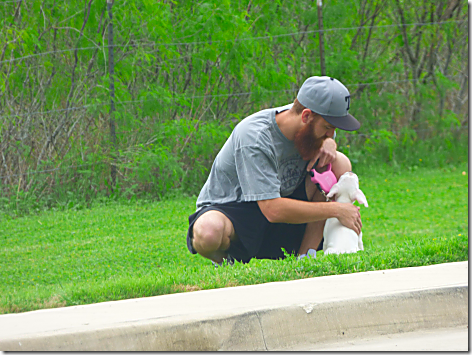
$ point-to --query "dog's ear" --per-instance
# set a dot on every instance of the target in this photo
(360, 197)
(334, 190)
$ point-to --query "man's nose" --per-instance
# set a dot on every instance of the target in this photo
(330, 133)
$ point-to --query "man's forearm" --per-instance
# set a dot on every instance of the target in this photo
(287, 210)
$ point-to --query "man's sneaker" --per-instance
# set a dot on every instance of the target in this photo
(311, 253)
(229, 261)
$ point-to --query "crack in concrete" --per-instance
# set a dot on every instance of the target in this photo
(262, 330)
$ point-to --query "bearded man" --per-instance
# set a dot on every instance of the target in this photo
(259, 198)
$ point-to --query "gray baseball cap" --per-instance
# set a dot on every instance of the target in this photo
(329, 98)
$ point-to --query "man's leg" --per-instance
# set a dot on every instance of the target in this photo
(314, 230)
(212, 234)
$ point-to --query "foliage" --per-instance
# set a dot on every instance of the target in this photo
(186, 72)
(136, 248)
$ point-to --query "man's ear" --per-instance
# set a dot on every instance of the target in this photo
(306, 116)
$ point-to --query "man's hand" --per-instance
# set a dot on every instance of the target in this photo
(350, 216)
(326, 154)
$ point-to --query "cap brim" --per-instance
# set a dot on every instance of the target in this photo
(346, 123)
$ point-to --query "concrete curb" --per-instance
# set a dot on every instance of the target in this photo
(271, 316)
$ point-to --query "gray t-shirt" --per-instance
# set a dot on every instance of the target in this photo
(257, 162)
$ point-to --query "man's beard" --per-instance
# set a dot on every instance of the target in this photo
(306, 142)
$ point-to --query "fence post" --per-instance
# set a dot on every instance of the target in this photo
(320, 27)
(111, 71)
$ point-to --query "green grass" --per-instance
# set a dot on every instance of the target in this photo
(128, 250)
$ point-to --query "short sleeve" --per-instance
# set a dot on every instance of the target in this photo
(257, 173)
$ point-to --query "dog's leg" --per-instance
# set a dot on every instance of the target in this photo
(360, 244)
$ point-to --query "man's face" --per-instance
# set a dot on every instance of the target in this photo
(311, 136)
(323, 128)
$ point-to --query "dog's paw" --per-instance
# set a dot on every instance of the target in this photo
(329, 251)
(336, 251)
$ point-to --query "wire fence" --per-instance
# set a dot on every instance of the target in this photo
(203, 97)
(196, 43)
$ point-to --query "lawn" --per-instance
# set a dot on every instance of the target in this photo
(125, 250)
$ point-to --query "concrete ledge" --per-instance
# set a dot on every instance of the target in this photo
(368, 317)
(271, 316)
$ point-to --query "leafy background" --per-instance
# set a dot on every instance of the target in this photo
(185, 73)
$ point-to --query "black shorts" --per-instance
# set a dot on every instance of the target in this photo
(257, 237)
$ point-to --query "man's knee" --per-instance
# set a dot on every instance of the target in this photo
(211, 232)
(341, 165)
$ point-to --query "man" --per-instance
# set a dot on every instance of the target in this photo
(259, 198)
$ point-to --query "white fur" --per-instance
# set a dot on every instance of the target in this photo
(339, 239)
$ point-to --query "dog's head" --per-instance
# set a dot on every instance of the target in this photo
(348, 186)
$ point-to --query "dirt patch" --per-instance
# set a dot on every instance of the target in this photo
(185, 288)
(55, 301)
(10, 309)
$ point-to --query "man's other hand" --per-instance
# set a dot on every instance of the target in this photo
(326, 154)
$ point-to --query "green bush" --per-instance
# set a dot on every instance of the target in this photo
(186, 72)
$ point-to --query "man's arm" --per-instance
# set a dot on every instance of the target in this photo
(286, 210)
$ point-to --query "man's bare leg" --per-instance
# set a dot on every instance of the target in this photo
(314, 230)
(212, 234)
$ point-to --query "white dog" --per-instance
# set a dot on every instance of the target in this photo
(339, 239)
